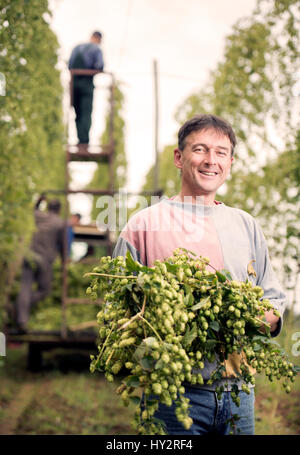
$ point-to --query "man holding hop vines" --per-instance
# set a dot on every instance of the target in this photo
(230, 238)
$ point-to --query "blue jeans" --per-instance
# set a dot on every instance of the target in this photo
(211, 415)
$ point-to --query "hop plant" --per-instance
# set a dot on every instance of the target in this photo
(159, 324)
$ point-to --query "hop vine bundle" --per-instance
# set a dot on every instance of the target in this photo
(159, 323)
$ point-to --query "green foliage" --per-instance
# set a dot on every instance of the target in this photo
(151, 327)
(31, 129)
(256, 88)
(268, 184)
(273, 196)
(169, 180)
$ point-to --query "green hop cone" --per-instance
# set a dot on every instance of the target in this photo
(157, 389)
(116, 367)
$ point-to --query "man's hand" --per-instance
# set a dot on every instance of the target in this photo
(272, 319)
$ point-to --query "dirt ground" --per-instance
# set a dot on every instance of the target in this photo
(64, 398)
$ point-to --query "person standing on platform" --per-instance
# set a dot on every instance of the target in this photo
(47, 242)
(85, 56)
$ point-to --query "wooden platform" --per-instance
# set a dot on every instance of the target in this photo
(38, 342)
(91, 233)
(50, 339)
(86, 152)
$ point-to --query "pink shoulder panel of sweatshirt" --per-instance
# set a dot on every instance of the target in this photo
(157, 231)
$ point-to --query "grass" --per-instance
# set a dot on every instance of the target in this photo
(73, 402)
(68, 399)
(278, 413)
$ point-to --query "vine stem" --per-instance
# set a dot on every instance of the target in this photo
(110, 356)
(144, 328)
(139, 315)
(108, 275)
(232, 420)
(262, 322)
(227, 281)
(105, 342)
(212, 267)
(136, 316)
(145, 320)
(227, 389)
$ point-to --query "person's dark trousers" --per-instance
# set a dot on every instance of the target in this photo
(83, 105)
(41, 273)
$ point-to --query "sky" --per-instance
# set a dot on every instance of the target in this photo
(185, 37)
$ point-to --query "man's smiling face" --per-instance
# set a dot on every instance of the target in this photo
(205, 163)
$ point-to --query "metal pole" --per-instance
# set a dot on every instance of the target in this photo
(156, 167)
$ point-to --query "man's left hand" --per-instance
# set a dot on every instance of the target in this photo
(271, 319)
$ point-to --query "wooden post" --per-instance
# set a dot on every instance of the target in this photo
(111, 135)
(64, 292)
